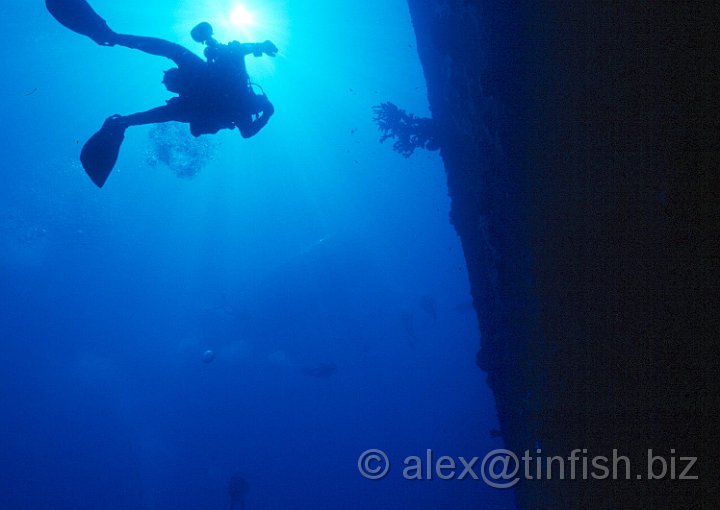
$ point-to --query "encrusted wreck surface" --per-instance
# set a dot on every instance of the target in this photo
(580, 141)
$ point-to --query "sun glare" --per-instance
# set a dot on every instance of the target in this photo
(242, 17)
(238, 20)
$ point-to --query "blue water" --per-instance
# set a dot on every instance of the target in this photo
(308, 244)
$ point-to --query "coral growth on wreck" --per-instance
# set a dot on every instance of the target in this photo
(408, 131)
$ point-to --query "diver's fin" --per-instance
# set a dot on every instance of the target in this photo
(78, 16)
(100, 152)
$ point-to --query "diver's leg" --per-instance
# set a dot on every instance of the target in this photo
(160, 47)
(154, 116)
(100, 152)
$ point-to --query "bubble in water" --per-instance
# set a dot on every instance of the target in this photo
(172, 145)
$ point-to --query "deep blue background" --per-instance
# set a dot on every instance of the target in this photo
(310, 243)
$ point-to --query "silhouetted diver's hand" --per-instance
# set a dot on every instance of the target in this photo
(269, 48)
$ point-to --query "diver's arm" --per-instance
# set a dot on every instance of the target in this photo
(249, 127)
(257, 49)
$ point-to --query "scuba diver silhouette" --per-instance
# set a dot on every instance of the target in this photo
(212, 94)
(237, 487)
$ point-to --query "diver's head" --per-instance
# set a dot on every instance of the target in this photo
(202, 33)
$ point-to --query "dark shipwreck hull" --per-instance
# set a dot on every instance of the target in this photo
(580, 141)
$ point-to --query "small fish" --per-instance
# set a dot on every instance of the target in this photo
(321, 371)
